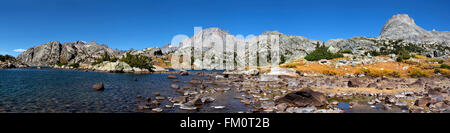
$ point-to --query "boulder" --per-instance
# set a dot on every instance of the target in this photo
(355, 83)
(418, 84)
(159, 69)
(117, 66)
(422, 102)
(252, 72)
(333, 49)
(303, 98)
(98, 86)
(184, 73)
(174, 86)
(172, 77)
(283, 71)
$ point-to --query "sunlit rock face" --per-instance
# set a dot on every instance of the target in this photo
(243, 52)
(55, 52)
(403, 27)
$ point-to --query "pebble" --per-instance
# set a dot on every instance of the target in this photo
(187, 107)
(264, 98)
(218, 107)
(155, 102)
(335, 102)
(157, 110)
(159, 98)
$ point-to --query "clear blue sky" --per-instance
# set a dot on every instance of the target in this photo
(141, 24)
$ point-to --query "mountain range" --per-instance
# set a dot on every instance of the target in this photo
(398, 30)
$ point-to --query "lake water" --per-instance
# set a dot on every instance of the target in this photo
(57, 90)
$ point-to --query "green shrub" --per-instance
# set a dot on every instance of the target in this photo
(440, 61)
(282, 59)
(138, 61)
(445, 66)
(105, 57)
(373, 53)
(321, 52)
(7, 58)
(403, 55)
(346, 51)
(61, 64)
(74, 65)
(436, 70)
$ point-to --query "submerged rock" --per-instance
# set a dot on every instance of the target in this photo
(98, 87)
(187, 107)
(184, 73)
(174, 86)
(172, 77)
(157, 110)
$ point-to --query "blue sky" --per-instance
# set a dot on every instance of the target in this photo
(141, 24)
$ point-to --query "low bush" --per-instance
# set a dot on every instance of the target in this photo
(346, 51)
(440, 61)
(420, 57)
(74, 65)
(417, 73)
(293, 64)
(379, 73)
(61, 64)
(445, 66)
(403, 55)
(321, 52)
(105, 57)
(4, 58)
(138, 61)
(444, 72)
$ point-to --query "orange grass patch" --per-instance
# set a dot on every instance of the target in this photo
(391, 69)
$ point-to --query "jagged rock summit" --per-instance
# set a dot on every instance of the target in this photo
(55, 52)
(403, 27)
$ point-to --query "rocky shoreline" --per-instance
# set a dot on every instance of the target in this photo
(288, 93)
(314, 94)
(8, 64)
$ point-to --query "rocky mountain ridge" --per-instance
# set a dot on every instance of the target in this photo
(400, 30)
(55, 52)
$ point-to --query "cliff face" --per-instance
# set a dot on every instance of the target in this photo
(54, 52)
(290, 47)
